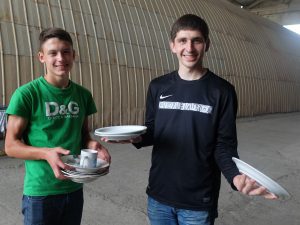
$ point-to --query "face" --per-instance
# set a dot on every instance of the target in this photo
(58, 56)
(189, 46)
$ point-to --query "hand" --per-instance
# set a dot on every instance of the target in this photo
(130, 141)
(102, 151)
(249, 186)
(53, 158)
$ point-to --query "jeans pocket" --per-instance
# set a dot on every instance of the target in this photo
(33, 209)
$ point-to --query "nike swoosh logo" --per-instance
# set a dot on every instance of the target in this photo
(163, 97)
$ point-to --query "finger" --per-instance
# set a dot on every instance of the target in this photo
(93, 145)
(258, 191)
(63, 177)
(250, 185)
(262, 191)
(104, 155)
(107, 158)
(58, 174)
(62, 151)
(105, 139)
(66, 167)
(270, 195)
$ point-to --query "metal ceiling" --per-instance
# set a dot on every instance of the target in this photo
(284, 12)
(251, 4)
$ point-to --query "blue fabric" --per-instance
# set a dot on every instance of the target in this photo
(3, 120)
(161, 214)
(64, 209)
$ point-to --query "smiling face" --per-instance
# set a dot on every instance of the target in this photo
(58, 56)
(189, 47)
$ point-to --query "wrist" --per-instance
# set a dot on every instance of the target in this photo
(43, 154)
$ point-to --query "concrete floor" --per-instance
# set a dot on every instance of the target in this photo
(269, 143)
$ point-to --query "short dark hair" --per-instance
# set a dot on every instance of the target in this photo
(189, 21)
(54, 32)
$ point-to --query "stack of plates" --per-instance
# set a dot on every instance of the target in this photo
(84, 175)
(120, 133)
(261, 178)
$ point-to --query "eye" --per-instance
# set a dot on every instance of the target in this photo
(52, 53)
(67, 52)
(198, 41)
(182, 41)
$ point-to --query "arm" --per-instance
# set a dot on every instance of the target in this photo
(226, 140)
(14, 147)
(147, 138)
(88, 142)
(227, 148)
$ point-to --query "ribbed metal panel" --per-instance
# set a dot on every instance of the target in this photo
(122, 44)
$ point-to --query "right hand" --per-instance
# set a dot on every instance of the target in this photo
(130, 141)
(53, 158)
(248, 186)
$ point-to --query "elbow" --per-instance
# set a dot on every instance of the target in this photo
(8, 149)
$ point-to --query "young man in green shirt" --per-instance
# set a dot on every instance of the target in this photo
(48, 117)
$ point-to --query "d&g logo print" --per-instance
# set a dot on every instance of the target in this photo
(56, 111)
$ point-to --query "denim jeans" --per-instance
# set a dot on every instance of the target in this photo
(161, 214)
(63, 209)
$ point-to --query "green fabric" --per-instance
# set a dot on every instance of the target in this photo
(55, 118)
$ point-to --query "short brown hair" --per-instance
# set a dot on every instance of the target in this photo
(54, 32)
(189, 21)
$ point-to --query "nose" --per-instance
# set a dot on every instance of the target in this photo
(59, 56)
(189, 46)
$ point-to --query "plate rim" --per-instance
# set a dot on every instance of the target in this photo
(80, 169)
(99, 131)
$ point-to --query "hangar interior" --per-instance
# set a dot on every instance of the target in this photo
(284, 12)
(121, 45)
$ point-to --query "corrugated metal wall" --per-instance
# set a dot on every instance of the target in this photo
(122, 44)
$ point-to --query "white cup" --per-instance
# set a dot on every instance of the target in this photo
(88, 158)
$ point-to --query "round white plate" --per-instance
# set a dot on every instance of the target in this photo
(120, 130)
(261, 178)
(85, 179)
(74, 173)
(73, 160)
(120, 137)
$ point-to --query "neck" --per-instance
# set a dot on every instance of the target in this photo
(57, 81)
(192, 74)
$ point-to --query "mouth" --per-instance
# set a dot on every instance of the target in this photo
(64, 66)
(190, 57)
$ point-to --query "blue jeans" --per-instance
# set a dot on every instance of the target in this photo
(161, 214)
(63, 209)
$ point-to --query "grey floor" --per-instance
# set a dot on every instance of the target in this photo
(269, 143)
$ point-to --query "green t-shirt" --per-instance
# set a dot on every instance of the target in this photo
(55, 118)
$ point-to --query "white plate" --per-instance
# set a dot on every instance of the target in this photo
(85, 179)
(120, 130)
(119, 137)
(73, 160)
(261, 178)
(74, 173)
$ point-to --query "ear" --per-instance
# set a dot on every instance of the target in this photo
(41, 57)
(172, 46)
(207, 44)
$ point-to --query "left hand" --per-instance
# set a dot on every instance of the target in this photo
(102, 151)
(249, 186)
